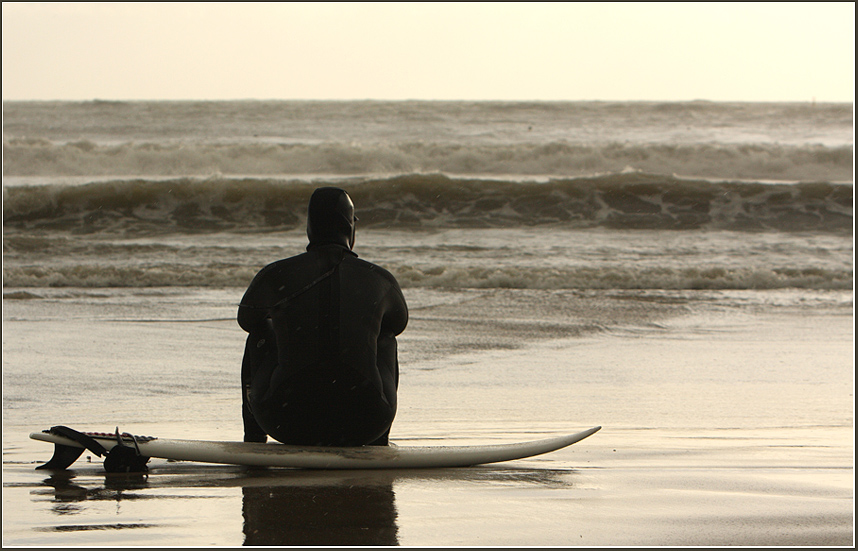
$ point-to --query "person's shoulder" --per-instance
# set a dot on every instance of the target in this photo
(370, 267)
(279, 266)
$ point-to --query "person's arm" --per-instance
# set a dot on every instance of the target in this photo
(250, 318)
(396, 318)
(252, 311)
(393, 323)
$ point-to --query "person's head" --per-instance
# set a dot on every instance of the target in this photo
(331, 217)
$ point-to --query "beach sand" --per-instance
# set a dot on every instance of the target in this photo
(720, 427)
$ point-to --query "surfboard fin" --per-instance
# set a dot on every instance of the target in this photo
(63, 457)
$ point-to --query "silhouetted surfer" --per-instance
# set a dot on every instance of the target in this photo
(320, 365)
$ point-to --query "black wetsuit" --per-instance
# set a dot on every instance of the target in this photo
(320, 365)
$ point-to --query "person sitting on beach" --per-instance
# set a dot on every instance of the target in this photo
(320, 364)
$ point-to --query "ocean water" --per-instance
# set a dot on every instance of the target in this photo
(505, 223)
(680, 273)
(449, 194)
(136, 210)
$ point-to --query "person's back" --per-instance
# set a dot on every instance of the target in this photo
(320, 366)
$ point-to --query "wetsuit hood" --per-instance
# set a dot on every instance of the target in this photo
(331, 218)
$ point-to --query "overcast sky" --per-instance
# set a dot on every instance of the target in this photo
(474, 51)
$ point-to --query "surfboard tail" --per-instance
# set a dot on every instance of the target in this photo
(119, 458)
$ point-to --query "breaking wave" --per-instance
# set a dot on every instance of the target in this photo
(630, 200)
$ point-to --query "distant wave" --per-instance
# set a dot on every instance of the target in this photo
(630, 200)
(225, 274)
(766, 161)
(627, 277)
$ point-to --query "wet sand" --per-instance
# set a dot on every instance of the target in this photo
(727, 428)
(669, 489)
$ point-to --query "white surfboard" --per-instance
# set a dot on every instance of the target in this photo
(281, 455)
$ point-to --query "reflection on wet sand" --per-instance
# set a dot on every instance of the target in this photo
(278, 506)
(299, 507)
(351, 507)
(321, 515)
(67, 496)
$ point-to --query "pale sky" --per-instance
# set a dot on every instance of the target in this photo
(434, 51)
